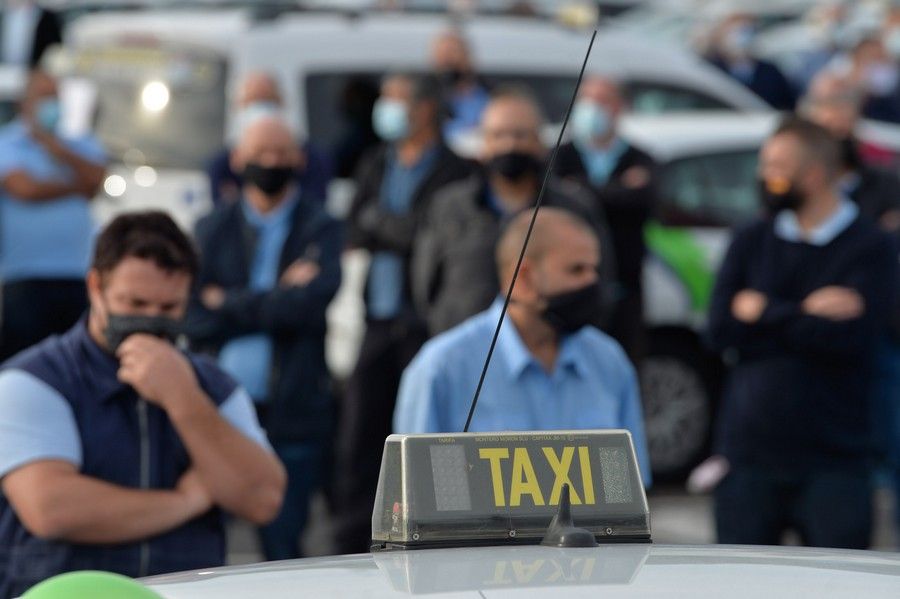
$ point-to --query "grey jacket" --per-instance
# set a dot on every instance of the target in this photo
(454, 275)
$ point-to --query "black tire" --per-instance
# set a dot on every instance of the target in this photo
(679, 389)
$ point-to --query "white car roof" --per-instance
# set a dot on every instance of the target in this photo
(671, 136)
(611, 571)
(396, 41)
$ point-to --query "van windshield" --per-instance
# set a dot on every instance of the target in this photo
(158, 106)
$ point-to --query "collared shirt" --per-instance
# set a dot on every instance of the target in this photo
(249, 358)
(386, 276)
(788, 228)
(495, 203)
(467, 107)
(592, 385)
(601, 162)
(50, 238)
(849, 183)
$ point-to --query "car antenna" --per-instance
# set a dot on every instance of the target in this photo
(562, 531)
(537, 206)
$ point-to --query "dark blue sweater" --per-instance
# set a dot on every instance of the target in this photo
(799, 393)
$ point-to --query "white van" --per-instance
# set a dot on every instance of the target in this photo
(165, 78)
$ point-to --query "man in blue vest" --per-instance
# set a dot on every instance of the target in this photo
(118, 451)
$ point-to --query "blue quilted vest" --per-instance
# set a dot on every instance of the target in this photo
(125, 441)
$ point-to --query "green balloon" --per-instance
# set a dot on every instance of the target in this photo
(90, 585)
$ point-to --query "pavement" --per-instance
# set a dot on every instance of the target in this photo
(677, 517)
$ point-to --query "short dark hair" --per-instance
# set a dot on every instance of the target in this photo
(819, 145)
(151, 235)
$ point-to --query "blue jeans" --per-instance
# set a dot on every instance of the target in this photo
(304, 463)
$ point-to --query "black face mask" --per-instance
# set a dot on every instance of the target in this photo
(570, 311)
(271, 180)
(121, 326)
(775, 201)
(452, 77)
(515, 166)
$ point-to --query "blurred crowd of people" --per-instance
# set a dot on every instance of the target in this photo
(862, 51)
(122, 448)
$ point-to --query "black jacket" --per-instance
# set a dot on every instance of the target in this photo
(300, 403)
(627, 209)
(454, 271)
(799, 391)
(767, 82)
(375, 229)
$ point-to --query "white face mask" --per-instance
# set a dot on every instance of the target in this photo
(590, 121)
(882, 78)
(255, 111)
(739, 40)
(390, 119)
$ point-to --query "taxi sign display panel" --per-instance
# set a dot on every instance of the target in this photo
(506, 487)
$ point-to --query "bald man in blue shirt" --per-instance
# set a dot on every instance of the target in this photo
(550, 369)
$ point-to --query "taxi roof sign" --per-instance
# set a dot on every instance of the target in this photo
(499, 488)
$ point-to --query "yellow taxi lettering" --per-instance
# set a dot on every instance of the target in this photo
(587, 478)
(557, 572)
(500, 576)
(494, 455)
(588, 569)
(524, 573)
(524, 480)
(560, 467)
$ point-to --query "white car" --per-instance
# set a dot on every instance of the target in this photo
(708, 174)
(530, 514)
(612, 572)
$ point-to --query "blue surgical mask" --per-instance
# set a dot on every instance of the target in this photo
(257, 110)
(47, 114)
(590, 121)
(390, 119)
(740, 39)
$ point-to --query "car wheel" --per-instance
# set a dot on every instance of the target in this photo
(678, 406)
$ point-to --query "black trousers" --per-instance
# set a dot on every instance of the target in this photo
(367, 411)
(626, 324)
(37, 308)
(826, 506)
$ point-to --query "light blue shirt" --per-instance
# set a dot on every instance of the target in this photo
(249, 358)
(49, 239)
(593, 385)
(19, 24)
(37, 423)
(788, 228)
(386, 276)
(601, 162)
(467, 108)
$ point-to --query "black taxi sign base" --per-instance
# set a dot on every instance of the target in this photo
(468, 489)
